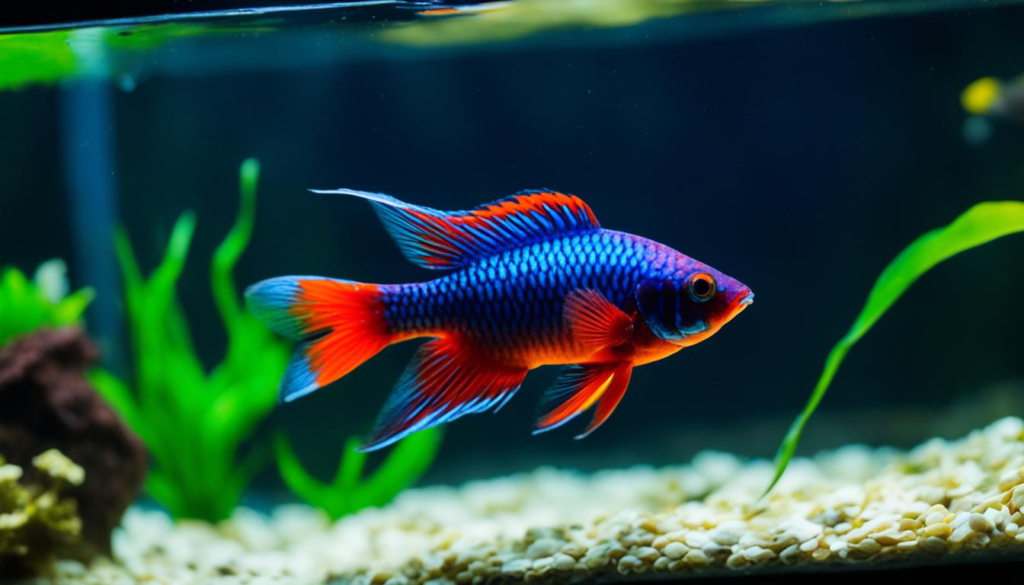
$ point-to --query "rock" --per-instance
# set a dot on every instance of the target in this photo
(46, 403)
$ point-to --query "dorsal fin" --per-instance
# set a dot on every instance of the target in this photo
(450, 239)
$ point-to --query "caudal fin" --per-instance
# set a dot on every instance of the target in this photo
(339, 324)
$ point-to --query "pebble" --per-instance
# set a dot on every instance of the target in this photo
(961, 533)
(675, 550)
(629, 563)
(1017, 498)
(697, 558)
(942, 530)
(647, 554)
(758, 554)
(790, 554)
(563, 562)
(544, 547)
(516, 567)
(869, 546)
(556, 526)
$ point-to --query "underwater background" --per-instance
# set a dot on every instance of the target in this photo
(797, 154)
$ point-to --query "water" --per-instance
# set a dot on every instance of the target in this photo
(797, 146)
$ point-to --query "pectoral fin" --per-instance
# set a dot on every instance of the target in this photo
(595, 321)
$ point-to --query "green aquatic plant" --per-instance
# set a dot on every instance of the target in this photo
(36, 520)
(978, 225)
(350, 491)
(36, 58)
(27, 305)
(47, 57)
(195, 423)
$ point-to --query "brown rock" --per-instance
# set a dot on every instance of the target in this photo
(46, 402)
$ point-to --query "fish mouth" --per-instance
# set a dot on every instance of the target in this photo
(742, 304)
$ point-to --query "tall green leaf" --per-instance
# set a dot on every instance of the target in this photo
(978, 225)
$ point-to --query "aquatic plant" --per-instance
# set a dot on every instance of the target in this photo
(978, 225)
(349, 491)
(43, 58)
(27, 305)
(195, 423)
(47, 57)
(37, 520)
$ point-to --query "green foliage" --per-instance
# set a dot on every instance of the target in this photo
(43, 58)
(195, 423)
(978, 225)
(349, 491)
(26, 306)
(35, 520)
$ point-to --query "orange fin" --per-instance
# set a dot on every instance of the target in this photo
(610, 398)
(444, 381)
(577, 389)
(595, 321)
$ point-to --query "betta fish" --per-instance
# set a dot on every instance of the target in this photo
(530, 280)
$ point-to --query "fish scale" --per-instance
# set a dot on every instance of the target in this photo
(504, 305)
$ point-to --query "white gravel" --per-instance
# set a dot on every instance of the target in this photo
(852, 505)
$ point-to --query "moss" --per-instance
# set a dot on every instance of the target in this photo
(36, 520)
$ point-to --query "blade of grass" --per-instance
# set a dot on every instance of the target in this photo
(978, 225)
(230, 250)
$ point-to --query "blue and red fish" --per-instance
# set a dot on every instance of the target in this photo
(531, 280)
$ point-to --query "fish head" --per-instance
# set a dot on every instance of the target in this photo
(692, 303)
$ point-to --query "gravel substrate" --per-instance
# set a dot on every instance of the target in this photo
(851, 506)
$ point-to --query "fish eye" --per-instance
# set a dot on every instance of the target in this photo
(702, 287)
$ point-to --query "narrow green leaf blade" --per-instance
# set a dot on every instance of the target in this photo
(978, 225)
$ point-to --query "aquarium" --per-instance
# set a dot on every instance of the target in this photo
(561, 291)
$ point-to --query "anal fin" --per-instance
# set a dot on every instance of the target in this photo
(445, 380)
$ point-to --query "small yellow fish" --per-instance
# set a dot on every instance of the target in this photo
(990, 96)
